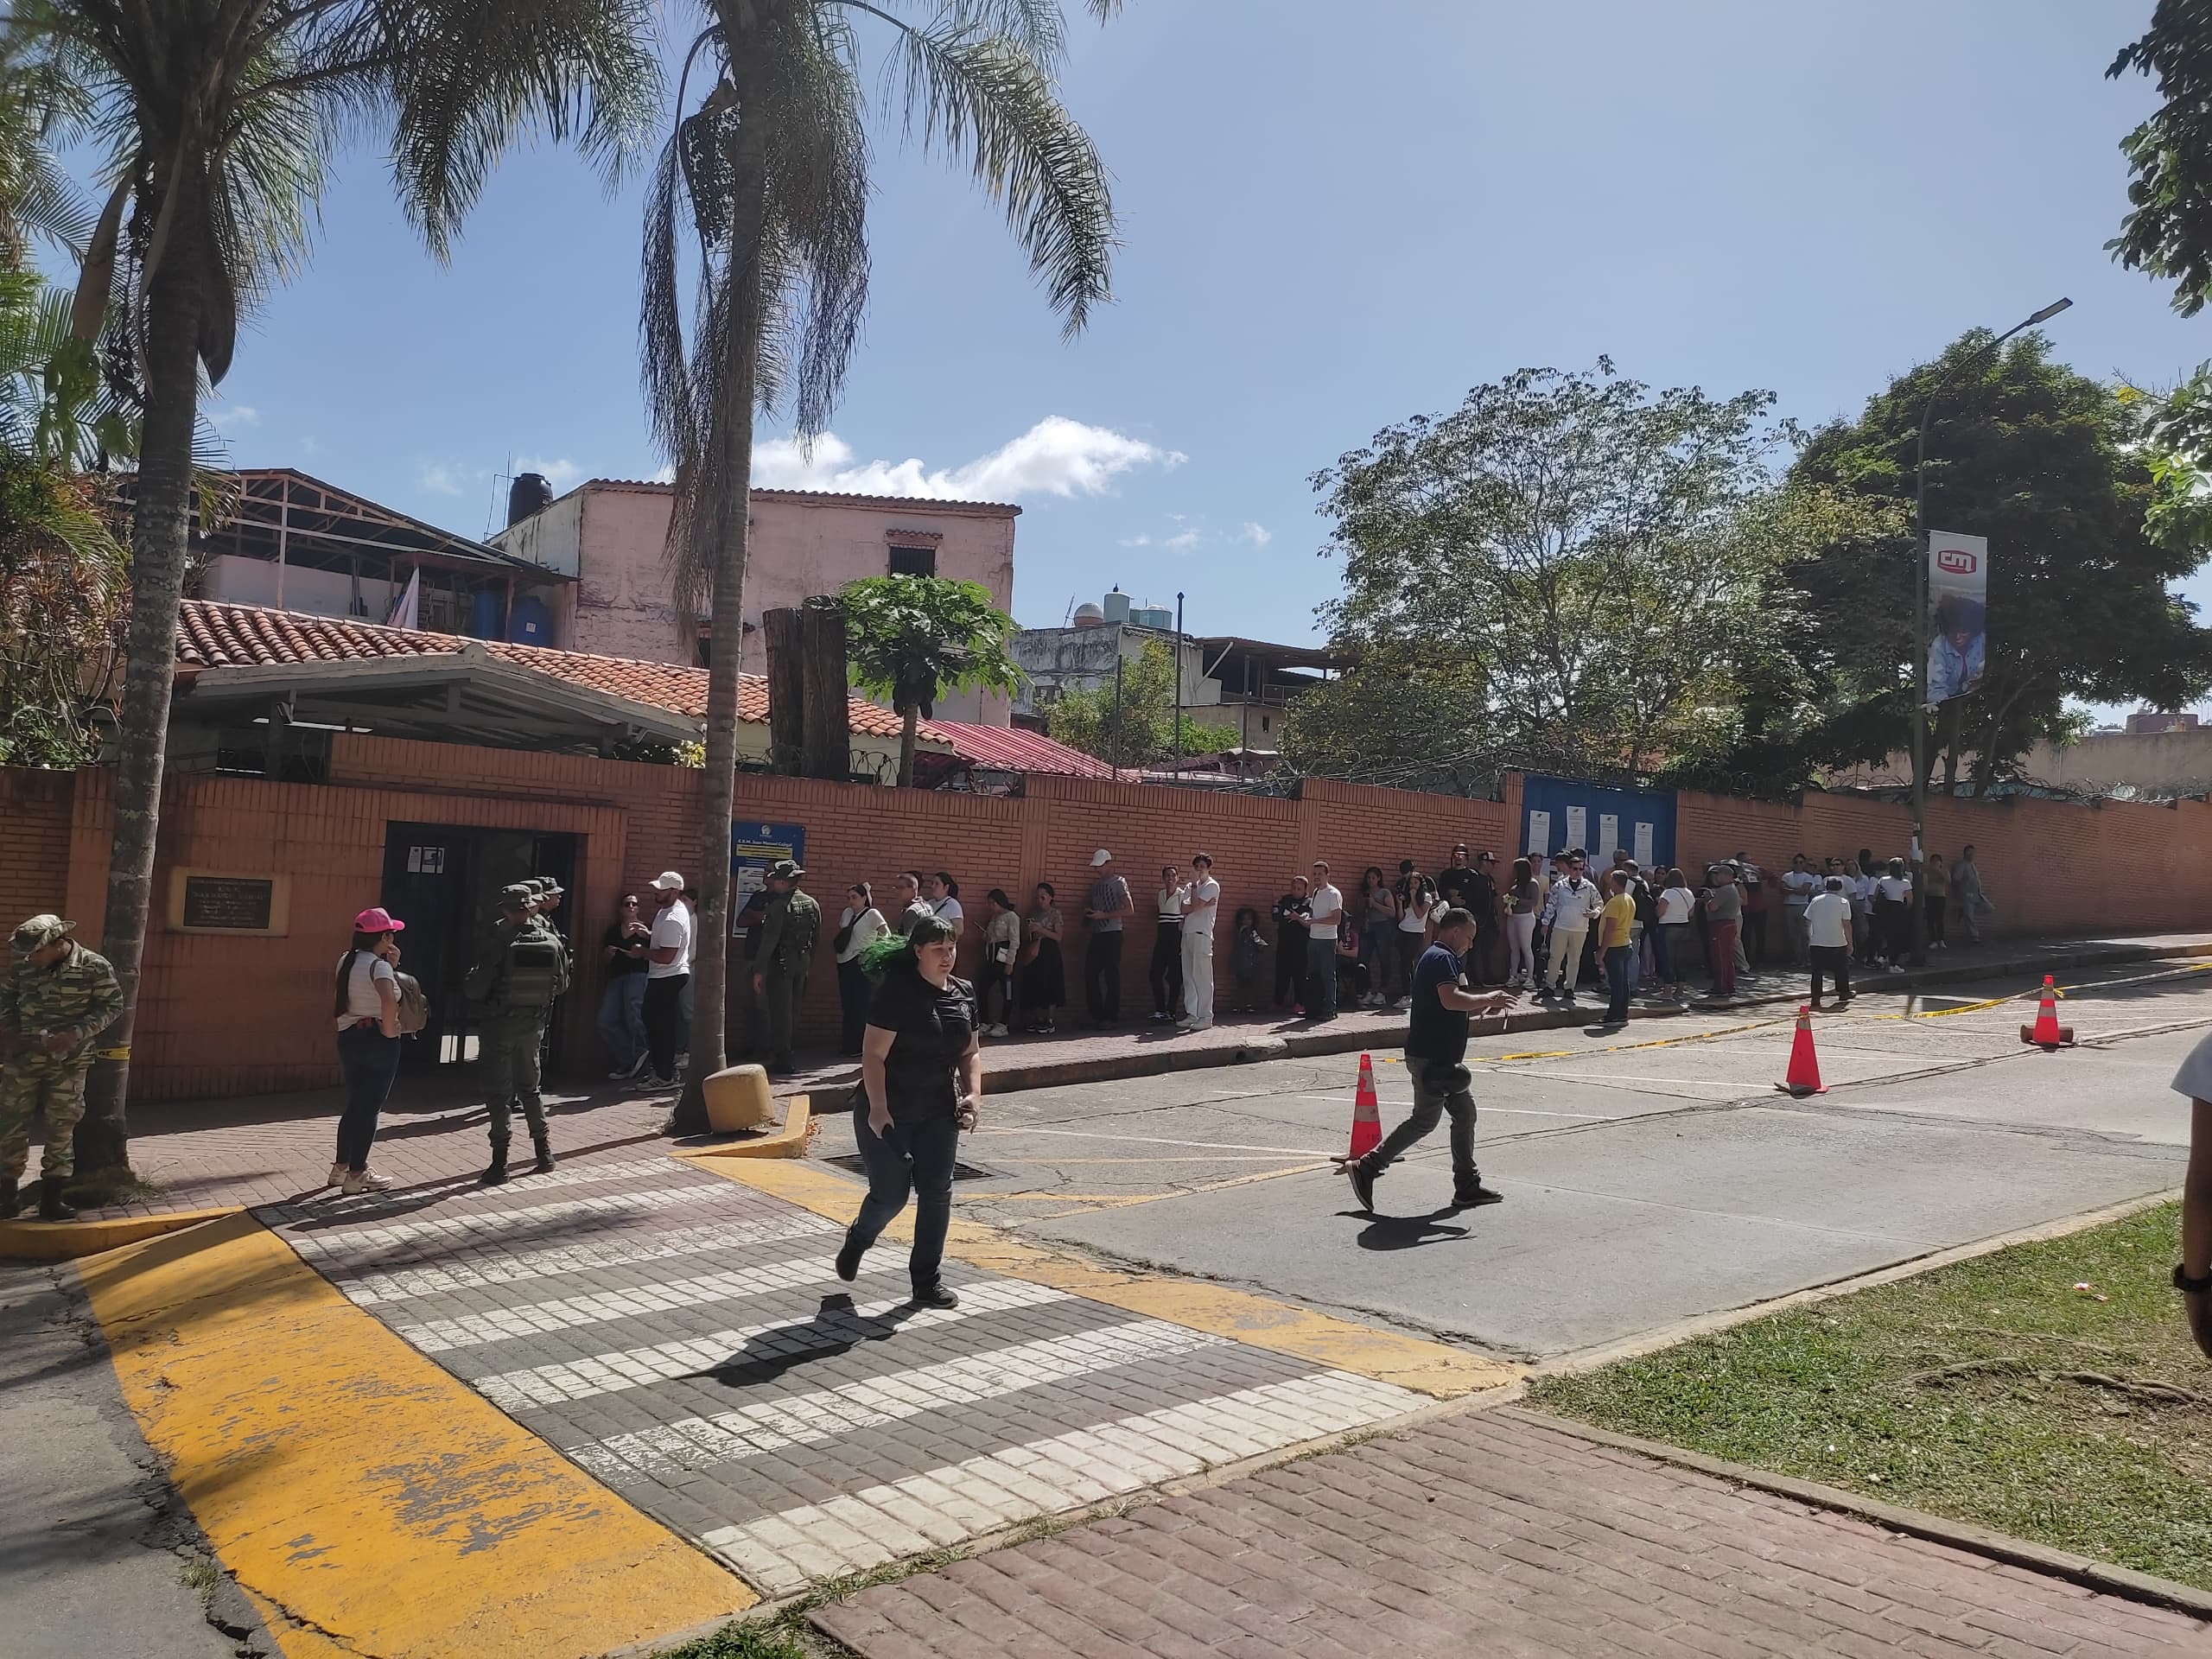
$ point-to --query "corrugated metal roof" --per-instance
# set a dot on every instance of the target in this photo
(831, 497)
(1010, 748)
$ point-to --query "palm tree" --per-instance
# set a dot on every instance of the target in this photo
(217, 118)
(769, 170)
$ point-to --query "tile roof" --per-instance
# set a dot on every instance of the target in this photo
(211, 634)
(1010, 748)
(829, 497)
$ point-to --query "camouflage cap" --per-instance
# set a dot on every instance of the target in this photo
(517, 896)
(40, 931)
(785, 870)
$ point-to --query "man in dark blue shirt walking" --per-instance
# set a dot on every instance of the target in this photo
(1436, 1051)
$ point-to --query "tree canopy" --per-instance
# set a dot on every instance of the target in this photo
(2168, 230)
(912, 639)
(2050, 466)
(1140, 731)
(1572, 566)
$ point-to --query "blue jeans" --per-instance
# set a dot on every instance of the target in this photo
(1320, 979)
(915, 1161)
(368, 1060)
(622, 1019)
(1620, 980)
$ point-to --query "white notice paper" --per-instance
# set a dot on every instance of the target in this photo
(1540, 834)
(1643, 853)
(1578, 827)
(1609, 840)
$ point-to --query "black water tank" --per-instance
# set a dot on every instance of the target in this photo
(530, 492)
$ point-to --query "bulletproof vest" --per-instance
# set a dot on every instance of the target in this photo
(531, 970)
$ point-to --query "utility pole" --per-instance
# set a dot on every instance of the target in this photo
(1920, 757)
(1178, 688)
(1117, 705)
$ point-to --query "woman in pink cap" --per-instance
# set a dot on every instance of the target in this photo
(367, 1012)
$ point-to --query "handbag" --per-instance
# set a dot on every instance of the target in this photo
(414, 1007)
(844, 938)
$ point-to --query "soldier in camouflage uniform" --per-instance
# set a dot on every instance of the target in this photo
(57, 998)
(789, 927)
(524, 967)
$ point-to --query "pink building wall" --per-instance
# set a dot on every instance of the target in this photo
(610, 534)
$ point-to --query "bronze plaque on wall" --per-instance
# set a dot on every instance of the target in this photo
(216, 901)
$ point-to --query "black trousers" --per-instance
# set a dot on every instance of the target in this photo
(1755, 936)
(1102, 978)
(664, 1016)
(911, 1161)
(853, 993)
(1290, 966)
(1832, 961)
(1165, 970)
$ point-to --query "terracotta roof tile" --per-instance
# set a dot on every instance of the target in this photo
(211, 634)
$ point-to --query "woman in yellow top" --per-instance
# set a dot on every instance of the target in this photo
(1616, 927)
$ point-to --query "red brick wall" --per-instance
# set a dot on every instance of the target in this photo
(242, 1015)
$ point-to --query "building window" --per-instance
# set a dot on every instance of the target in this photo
(912, 561)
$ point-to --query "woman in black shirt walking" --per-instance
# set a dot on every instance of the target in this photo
(921, 1072)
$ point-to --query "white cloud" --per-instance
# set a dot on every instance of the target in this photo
(562, 474)
(1056, 456)
(1253, 535)
(230, 417)
(440, 478)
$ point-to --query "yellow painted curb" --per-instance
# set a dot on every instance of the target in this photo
(66, 1241)
(1431, 1368)
(788, 1142)
(369, 1502)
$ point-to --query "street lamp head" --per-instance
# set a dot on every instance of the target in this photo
(2047, 313)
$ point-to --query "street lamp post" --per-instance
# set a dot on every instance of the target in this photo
(1920, 627)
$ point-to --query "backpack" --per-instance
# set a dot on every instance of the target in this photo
(414, 1007)
(528, 974)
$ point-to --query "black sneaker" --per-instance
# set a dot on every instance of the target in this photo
(939, 1294)
(848, 1258)
(1363, 1183)
(1476, 1197)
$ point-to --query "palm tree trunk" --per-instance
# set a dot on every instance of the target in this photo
(718, 788)
(907, 732)
(161, 519)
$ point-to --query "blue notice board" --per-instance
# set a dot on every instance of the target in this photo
(1557, 813)
(753, 847)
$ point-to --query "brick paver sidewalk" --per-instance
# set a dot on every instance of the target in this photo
(1490, 1533)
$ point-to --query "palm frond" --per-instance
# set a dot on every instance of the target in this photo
(984, 98)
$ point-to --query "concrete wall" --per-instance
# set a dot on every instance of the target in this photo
(2050, 866)
(613, 536)
(2176, 761)
(1059, 660)
(240, 581)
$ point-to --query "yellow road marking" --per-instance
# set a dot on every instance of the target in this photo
(1431, 1368)
(368, 1500)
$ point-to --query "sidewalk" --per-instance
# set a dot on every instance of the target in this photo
(1491, 1532)
(276, 1148)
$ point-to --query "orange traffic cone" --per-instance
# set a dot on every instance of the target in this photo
(1804, 1077)
(2047, 1033)
(1366, 1114)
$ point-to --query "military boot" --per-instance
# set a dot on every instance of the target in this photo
(496, 1173)
(544, 1147)
(10, 1199)
(50, 1207)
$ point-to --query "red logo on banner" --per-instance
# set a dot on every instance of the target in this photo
(1956, 561)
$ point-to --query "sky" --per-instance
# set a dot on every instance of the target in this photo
(1332, 218)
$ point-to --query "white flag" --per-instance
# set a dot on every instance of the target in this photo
(408, 606)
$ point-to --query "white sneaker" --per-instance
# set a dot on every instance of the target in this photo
(367, 1181)
(999, 1030)
(337, 1177)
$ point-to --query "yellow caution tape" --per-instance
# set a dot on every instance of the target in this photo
(111, 1053)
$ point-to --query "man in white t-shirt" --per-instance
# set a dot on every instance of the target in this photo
(668, 971)
(1326, 908)
(1799, 886)
(1828, 932)
(2193, 1275)
(1574, 900)
(1201, 897)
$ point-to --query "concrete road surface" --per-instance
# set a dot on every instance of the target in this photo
(1652, 1175)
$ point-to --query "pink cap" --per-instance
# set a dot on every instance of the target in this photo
(377, 919)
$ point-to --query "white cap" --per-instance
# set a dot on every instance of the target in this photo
(1102, 856)
(669, 881)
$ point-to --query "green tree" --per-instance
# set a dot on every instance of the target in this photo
(2168, 230)
(768, 170)
(912, 639)
(1577, 566)
(2048, 464)
(1141, 732)
(219, 117)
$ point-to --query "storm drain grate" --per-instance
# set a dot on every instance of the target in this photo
(961, 1172)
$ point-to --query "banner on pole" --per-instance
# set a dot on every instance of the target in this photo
(1958, 614)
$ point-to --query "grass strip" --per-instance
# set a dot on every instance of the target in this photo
(2050, 1390)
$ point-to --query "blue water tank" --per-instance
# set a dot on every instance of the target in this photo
(530, 622)
(485, 618)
